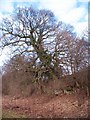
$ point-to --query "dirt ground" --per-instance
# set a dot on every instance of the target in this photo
(46, 106)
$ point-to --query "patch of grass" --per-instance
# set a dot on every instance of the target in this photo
(11, 114)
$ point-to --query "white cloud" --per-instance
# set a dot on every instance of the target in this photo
(80, 27)
(67, 12)
(74, 15)
(4, 56)
(86, 17)
(24, 0)
(59, 7)
(1, 16)
(83, 0)
(6, 6)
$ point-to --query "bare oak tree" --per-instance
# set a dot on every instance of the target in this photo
(32, 32)
(50, 46)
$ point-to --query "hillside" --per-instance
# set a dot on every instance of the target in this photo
(61, 106)
(65, 98)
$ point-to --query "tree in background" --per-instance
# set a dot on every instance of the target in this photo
(73, 52)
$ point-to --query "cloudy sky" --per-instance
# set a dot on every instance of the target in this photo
(74, 12)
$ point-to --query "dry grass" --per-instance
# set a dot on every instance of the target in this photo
(39, 106)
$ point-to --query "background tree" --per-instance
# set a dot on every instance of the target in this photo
(17, 76)
(72, 52)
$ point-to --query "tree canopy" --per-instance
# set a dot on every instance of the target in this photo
(52, 48)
